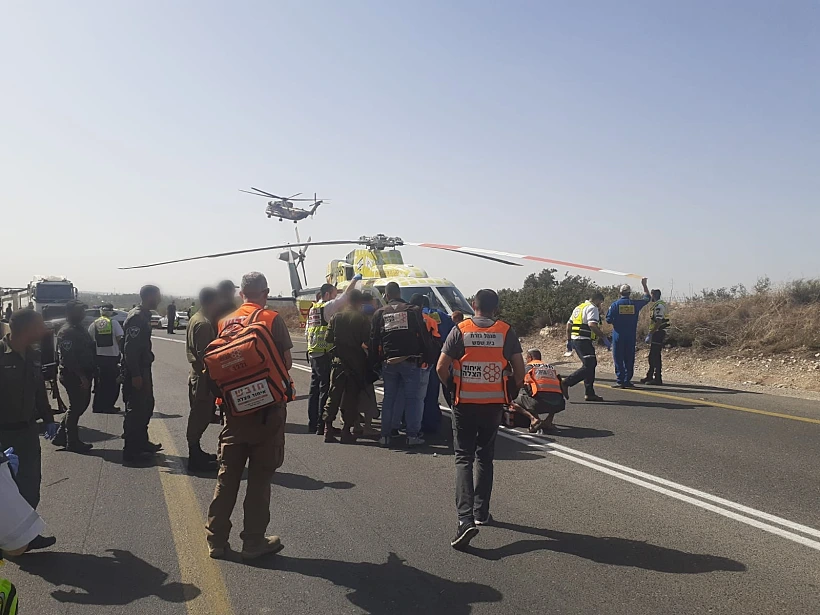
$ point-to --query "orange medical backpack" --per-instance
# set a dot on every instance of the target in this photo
(245, 364)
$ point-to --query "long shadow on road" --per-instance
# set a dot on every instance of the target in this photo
(91, 579)
(392, 588)
(609, 550)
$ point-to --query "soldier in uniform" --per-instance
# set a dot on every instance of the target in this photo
(23, 400)
(349, 333)
(76, 351)
(201, 332)
(138, 385)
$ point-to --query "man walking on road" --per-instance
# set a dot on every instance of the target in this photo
(623, 316)
(77, 352)
(484, 354)
(257, 439)
(319, 349)
(583, 328)
(138, 385)
(107, 334)
(199, 334)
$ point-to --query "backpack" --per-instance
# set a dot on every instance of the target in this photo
(244, 363)
(8, 598)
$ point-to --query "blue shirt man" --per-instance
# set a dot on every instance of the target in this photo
(431, 417)
(623, 316)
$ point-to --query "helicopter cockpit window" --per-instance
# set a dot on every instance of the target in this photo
(407, 293)
(455, 300)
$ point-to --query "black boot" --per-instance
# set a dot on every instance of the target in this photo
(61, 439)
(200, 461)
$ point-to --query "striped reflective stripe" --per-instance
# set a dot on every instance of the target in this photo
(527, 257)
(499, 395)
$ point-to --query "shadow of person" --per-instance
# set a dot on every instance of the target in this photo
(89, 434)
(306, 483)
(118, 580)
(609, 550)
(580, 433)
(392, 588)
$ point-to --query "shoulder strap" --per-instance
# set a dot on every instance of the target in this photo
(254, 317)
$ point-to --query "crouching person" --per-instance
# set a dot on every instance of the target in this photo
(540, 399)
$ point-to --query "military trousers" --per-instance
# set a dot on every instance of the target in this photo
(138, 411)
(201, 401)
(25, 438)
(259, 441)
(106, 384)
(79, 398)
(344, 391)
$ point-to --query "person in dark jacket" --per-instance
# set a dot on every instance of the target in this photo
(399, 338)
(77, 351)
(138, 385)
(171, 315)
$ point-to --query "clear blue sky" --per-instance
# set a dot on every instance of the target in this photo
(680, 140)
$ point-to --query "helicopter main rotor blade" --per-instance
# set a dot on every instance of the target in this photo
(489, 258)
(247, 251)
(526, 257)
(268, 194)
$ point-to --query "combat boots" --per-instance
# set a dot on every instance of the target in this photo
(347, 437)
(200, 461)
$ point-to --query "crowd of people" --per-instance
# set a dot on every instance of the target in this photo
(353, 341)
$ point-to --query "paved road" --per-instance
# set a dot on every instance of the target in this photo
(644, 505)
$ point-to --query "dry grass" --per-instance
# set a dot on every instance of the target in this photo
(769, 322)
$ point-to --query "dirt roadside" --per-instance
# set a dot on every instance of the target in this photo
(793, 374)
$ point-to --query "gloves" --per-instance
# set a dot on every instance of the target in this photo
(51, 430)
(357, 277)
(14, 460)
(647, 338)
(608, 343)
(569, 346)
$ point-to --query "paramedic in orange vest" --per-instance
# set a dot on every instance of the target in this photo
(484, 354)
(541, 395)
(257, 439)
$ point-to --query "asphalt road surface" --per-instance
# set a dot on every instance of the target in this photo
(684, 499)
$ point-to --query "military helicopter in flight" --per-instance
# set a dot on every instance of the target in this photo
(284, 208)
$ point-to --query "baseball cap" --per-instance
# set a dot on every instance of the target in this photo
(226, 285)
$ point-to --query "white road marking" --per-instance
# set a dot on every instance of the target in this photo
(657, 484)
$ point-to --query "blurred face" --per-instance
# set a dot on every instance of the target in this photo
(152, 301)
(656, 296)
(34, 332)
(76, 315)
(331, 295)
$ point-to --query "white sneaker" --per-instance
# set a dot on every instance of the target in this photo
(415, 441)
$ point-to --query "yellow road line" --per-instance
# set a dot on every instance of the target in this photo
(703, 402)
(188, 529)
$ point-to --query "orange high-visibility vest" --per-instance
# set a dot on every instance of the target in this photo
(432, 325)
(481, 374)
(542, 378)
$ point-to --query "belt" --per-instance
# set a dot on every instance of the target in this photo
(19, 426)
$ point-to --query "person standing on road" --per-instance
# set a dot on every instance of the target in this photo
(623, 316)
(399, 338)
(257, 439)
(485, 354)
(199, 334)
(23, 400)
(319, 350)
(657, 336)
(349, 333)
(8, 313)
(171, 315)
(583, 328)
(107, 335)
(77, 355)
(138, 385)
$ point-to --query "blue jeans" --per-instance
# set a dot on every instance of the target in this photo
(401, 391)
(623, 354)
(400, 410)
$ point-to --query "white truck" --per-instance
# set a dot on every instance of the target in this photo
(47, 295)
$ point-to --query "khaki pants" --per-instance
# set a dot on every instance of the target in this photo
(259, 441)
(202, 408)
